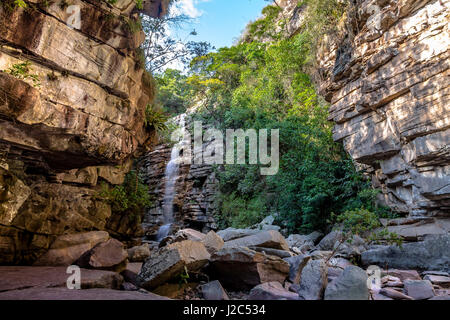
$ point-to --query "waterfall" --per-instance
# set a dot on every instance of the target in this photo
(171, 176)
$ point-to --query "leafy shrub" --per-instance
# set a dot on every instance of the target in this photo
(132, 197)
(22, 71)
(155, 119)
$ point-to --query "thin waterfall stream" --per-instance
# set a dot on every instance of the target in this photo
(171, 176)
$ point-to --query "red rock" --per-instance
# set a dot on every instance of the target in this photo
(67, 294)
(108, 255)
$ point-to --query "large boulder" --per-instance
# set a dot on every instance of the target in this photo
(214, 291)
(242, 269)
(431, 254)
(298, 240)
(108, 255)
(271, 291)
(69, 247)
(171, 262)
(189, 234)
(350, 285)
(330, 240)
(266, 239)
(296, 265)
(313, 280)
(232, 233)
(213, 242)
(139, 253)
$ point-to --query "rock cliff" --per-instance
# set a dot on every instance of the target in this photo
(73, 94)
(388, 84)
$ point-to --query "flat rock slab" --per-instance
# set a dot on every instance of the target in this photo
(67, 294)
(232, 233)
(271, 291)
(266, 239)
(16, 277)
(350, 285)
(214, 291)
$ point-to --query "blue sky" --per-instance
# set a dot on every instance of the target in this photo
(220, 22)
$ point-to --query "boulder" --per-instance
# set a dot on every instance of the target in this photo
(108, 255)
(313, 280)
(265, 239)
(139, 253)
(350, 285)
(329, 241)
(214, 291)
(213, 242)
(131, 272)
(67, 294)
(189, 234)
(18, 277)
(69, 247)
(242, 269)
(430, 254)
(171, 262)
(271, 291)
(298, 240)
(273, 252)
(419, 289)
(296, 265)
(232, 233)
(174, 290)
(351, 249)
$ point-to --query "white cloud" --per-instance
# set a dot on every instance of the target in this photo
(189, 7)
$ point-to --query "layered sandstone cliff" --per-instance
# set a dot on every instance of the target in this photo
(72, 98)
(388, 83)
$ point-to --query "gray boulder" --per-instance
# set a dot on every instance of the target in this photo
(313, 280)
(266, 239)
(431, 254)
(232, 233)
(214, 291)
(296, 265)
(329, 241)
(350, 285)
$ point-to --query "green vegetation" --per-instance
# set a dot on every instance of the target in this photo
(174, 92)
(265, 84)
(131, 198)
(22, 71)
(155, 119)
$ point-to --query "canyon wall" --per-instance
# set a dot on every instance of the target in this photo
(388, 83)
(73, 93)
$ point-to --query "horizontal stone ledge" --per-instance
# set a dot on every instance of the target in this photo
(77, 93)
(70, 50)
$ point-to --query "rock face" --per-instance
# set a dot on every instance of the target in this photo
(241, 268)
(431, 254)
(388, 87)
(72, 118)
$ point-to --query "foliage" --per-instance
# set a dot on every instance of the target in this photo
(162, 48)
(155, 119)
(132, 197)
(139, 4)
(265, 85)
(22, 71)
(366, 224)
(174, 92)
